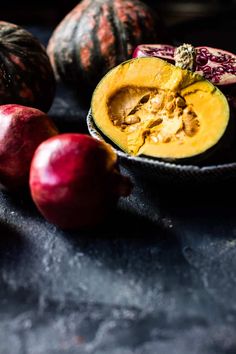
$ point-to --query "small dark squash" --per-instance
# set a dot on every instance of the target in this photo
(26, 75)
(97, 35)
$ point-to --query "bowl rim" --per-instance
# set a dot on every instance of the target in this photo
(171, 167)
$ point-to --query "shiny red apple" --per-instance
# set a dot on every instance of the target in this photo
(22, 129)
(75, 181)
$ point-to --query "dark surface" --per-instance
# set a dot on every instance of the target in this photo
(158, 277)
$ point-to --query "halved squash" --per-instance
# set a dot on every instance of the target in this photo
(148, 106)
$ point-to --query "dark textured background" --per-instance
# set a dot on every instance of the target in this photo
(159, 277)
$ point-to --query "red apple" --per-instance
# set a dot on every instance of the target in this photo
(75, 181)
(22, 129)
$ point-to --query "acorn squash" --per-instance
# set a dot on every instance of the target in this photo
(151, 107)
(26, 75)
(97, 35)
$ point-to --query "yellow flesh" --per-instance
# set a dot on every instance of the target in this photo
(148, 106)
(152, 116)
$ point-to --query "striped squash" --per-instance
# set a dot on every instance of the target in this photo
(97, 35)
(26, 75)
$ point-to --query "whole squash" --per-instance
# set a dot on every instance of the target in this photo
(26, 75)
(97, 35)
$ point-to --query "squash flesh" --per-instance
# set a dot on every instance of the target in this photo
(161, 132)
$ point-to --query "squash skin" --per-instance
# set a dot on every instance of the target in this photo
(155, 71)
(98, 35)
(26, 73)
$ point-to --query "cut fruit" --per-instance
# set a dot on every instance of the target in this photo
(149, 106)
(216, 65)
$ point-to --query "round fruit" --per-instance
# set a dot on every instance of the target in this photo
(150, 107)
(97, 35)
(74, 180)
(26, 75)
(22, 129)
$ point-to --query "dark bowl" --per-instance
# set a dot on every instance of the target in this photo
(161, 171)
